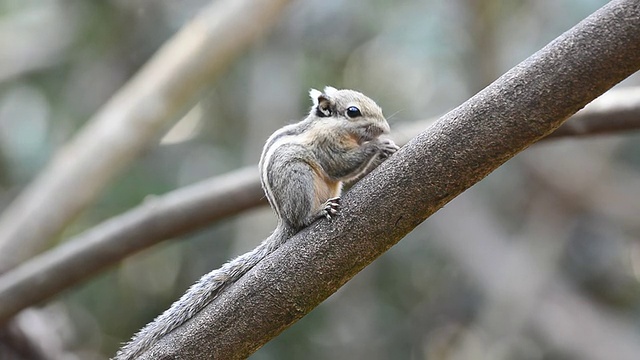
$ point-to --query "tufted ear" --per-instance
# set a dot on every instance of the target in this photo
(330, 90)
(322, 103)
(315, 95)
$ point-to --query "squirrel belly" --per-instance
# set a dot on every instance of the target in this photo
(302, 169)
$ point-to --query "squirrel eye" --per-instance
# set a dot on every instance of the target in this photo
(353, 112)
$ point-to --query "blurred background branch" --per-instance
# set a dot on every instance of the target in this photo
(129, 123)
(615, 111)
(158, 218)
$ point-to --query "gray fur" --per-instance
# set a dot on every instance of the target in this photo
(302, 168)
(299, 209)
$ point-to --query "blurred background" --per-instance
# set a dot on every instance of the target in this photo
(541, 260)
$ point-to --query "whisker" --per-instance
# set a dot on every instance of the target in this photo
(394, 114)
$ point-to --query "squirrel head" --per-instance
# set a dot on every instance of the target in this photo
(357, 112)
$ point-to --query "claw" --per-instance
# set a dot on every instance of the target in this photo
(389, 148)
(331, 208)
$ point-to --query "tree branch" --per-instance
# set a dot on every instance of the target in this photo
(616, 111)
(521, 107)
(196, 206)
(130, 122)
(157, 218)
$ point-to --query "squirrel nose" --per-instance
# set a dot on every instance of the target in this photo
(385, 127)
(378, 129)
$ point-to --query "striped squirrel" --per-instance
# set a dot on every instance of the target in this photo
(302, 169)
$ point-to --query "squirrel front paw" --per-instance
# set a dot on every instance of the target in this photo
(330, 208)
(388, 147)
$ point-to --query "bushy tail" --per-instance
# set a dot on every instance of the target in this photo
(200, 295)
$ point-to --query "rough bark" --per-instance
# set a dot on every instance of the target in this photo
(193, 207)
(521, 107)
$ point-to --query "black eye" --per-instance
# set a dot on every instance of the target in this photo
(353, 112)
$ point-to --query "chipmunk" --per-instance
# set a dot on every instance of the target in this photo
(302, 169)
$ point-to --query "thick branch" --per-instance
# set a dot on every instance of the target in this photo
(521, 107)
(130, 122)
(195, 206)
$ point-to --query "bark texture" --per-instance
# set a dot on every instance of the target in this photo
(521, 107)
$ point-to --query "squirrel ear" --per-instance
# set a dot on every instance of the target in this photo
(322, 103)
(330, 90)
(323, 108)
(315, 94)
